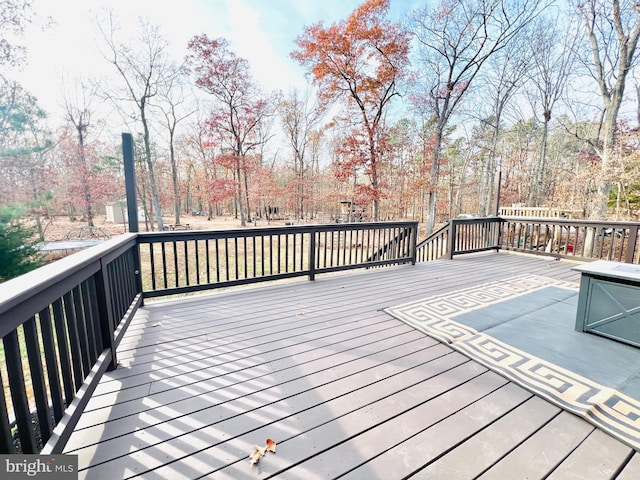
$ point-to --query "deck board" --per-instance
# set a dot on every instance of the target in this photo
(631, 470)
(343, 387)
(598, 457)
(283, 375)
(420, 434)
(479, 452)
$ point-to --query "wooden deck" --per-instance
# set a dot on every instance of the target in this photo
(344, 389)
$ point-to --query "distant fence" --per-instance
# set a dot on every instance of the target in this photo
(544, 212)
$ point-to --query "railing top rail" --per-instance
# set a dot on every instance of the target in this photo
(569, 221)
(24, 287)
(478, 220)
(275, 230)
(433, 235)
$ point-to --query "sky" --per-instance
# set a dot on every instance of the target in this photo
(261, 31)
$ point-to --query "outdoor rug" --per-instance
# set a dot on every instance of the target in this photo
(524, 328)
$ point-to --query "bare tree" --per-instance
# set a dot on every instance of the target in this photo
(171, 103)
(300, 118)
(553, 48)
(144, 71)
(198, 145)
(455, 39)
(502, 79)
(15, 15)
(612, 29)
(78, 110)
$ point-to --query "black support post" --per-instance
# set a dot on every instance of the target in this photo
(496, 199)
(130, 181)
(132, 202)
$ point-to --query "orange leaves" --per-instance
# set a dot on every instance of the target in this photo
(359, 60)
(260, 452)
(271, 445)
(364, 50)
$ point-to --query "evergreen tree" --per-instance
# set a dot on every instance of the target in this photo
(18, 251)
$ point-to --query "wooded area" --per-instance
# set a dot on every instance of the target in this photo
(402, 120)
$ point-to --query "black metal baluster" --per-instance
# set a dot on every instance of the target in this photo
(153, 266)
(262, 256)
(207, 259)
(197, 255)
(235, 256)
(217, 262)
(74, 341)
(270, 254)
(51, 359)
(26, 430)
(164, 264)
(63, 351)
(185, 249)
(226, 256)
(95, 315)
(82, 330)
(279, 236)
(246, 258)
(6, 436)
(176, 271)
(37, 378)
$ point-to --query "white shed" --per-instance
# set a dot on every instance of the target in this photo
(117, 212)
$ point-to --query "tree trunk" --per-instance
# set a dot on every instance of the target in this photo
(174, 178)
(85, 177)
(246, 191)
(604, 180)
(243, 222)
(433, 179)
(538, 178)
(152, 177)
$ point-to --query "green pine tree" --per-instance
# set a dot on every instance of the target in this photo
(18, 251)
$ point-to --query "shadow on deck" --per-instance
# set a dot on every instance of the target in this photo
(346, 389)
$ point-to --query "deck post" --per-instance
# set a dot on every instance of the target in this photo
(130, 182)
(631, 245)
(132, 201)
(496, 200)
(312, 255)
(414, 243)
(451, 239)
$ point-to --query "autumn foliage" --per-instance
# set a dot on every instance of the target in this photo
(342, 141)
(259, 452)
(361, 60)
(237, 112)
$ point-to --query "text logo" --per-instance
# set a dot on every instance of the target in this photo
(50, 467)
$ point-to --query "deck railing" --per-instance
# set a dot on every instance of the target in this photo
(189, 261)
(61, 324)
(459, 236)
(582, 240)
(577, 239)
(434, 246)
(470, 235)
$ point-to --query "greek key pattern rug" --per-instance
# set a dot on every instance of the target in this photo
(605, 407)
